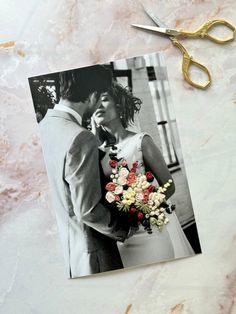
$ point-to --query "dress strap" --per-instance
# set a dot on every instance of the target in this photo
(140, 139)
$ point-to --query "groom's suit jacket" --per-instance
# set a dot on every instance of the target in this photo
(86, 228)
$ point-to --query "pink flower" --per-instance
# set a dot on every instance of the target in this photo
(133, 209)
(124, 163)
(131, 178)
(117, 198)
(140, 216)
(110, 186)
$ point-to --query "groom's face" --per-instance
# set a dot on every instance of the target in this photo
(92, 104)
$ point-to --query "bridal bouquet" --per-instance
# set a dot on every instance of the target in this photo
(134, 194)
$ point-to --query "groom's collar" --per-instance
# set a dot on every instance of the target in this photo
(71, 111)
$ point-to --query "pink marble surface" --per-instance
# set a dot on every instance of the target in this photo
(57, 35)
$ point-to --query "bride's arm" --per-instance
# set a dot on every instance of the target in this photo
(154, 162)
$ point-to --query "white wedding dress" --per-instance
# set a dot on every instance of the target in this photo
(144, 248)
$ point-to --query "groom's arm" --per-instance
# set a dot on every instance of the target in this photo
(83, 176)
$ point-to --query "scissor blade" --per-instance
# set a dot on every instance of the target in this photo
(155, 19)
(162, 30)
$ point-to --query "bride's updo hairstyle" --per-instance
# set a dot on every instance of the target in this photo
(127, 104)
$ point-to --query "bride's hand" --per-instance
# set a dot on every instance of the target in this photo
(94, 126)
(97, 131)
(132, 231)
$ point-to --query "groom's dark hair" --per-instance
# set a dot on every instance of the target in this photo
(76, 85)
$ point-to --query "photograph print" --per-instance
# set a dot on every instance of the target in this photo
(114, 164)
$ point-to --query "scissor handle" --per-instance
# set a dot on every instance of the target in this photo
(203, 31)
(187, 62)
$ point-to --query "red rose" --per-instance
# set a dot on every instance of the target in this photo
(124, 163)
(110, 186)
(151, 188)
(117, 198)
(133, 209)
(113, 163)
(131, 176)
(140, 216)
(149, 176)
(135, 164)
(133, 170)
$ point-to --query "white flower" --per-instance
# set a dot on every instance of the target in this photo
(114, 171)
(160, 190)
(143, 178)
(153, 221)
(145, 185)
(139, 196)
(122, 180)
(161, 197)
(166, 221)
(114, 180)
(157, 203)
(161, 216)
(118, 189)
(110, 197)
(160, 222)
(123, 172)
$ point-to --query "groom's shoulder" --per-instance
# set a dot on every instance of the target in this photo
(83, 137)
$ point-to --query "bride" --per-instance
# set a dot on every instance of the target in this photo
(115, 112)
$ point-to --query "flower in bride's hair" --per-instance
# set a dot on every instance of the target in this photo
(110, 186)
(118, 189)
(110, 197)
(123, 172)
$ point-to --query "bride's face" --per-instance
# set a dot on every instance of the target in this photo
(106, 111)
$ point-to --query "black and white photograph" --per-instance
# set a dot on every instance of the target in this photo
(114, 163)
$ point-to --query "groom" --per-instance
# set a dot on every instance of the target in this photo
(87, 229)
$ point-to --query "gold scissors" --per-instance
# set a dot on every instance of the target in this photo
(202, 32)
